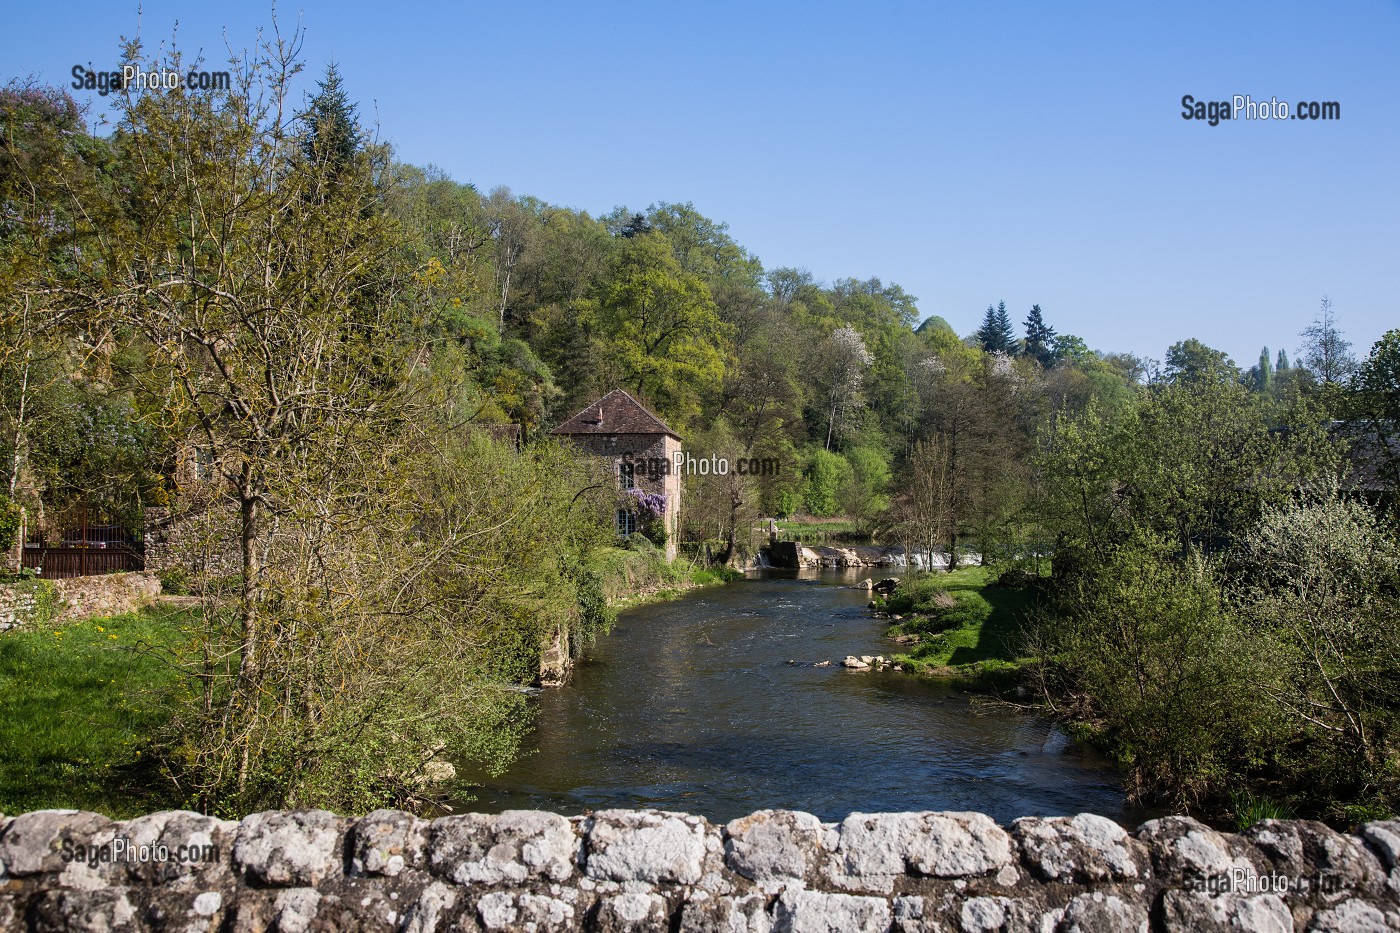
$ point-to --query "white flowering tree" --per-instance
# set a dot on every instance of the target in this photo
(845, 359)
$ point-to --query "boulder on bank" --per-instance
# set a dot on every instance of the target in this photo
(886, 586)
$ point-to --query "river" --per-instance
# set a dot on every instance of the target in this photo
(692, 705)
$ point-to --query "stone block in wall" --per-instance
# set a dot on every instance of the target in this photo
(620, 870)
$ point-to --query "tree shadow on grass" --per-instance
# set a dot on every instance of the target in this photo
(996, 639)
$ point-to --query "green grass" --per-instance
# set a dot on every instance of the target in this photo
(1250, 809)
(632, 578)
(78, 704)
(820, 530)
(984, 638)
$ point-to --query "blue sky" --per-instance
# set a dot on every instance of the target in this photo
(1021, 151)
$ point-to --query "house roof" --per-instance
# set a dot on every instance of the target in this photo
(615, 413)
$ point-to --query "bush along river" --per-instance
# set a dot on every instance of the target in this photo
(692, 705)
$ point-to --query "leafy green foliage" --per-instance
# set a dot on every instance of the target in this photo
(1318, 591)
(865, 494)
(1374, 415)
(659, 330)
(1191, 360)
(10, 518)
(1148, 648)
(826, 473)
(1192, 460)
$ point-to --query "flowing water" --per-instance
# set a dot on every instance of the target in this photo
(692, 705)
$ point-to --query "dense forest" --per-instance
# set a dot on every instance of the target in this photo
(258, 277)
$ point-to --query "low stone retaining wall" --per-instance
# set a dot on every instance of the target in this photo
(650, 870)
(107, 595)
(20, 603)
(76, 598)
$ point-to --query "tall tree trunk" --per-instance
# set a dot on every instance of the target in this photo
(505, 293)
(250, 664)
(15, 454)
(952, 503)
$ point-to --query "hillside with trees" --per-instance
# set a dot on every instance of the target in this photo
(258, 277)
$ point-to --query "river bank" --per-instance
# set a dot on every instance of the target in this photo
(666, 591)
(965, 627)
(693, 704)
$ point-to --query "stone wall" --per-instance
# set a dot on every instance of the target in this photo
(649, 870)
(111, 594)
(20, 603)
(200, 539)
(78, 597)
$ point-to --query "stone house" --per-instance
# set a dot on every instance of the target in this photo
(640, 452)
(197, 532)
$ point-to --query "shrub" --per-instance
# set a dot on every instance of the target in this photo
(174, 581)
(946, 611)
(917, 592)
(1318, 595)
(9, 522)
(1172, 681)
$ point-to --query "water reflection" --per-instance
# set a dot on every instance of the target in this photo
(693, 705)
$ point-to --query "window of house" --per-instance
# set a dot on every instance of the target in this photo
(626, 522)
(203, 464)
(627, 474)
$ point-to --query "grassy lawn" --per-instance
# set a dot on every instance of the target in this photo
(810, 530)
(78, 703)
(985, 634)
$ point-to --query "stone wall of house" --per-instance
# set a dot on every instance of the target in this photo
(619, 870)
(649, 449)
(201, 540)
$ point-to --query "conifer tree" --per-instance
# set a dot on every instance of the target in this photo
(1039, 338)
(996, 333)
(333, 133)
(1263, 373)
